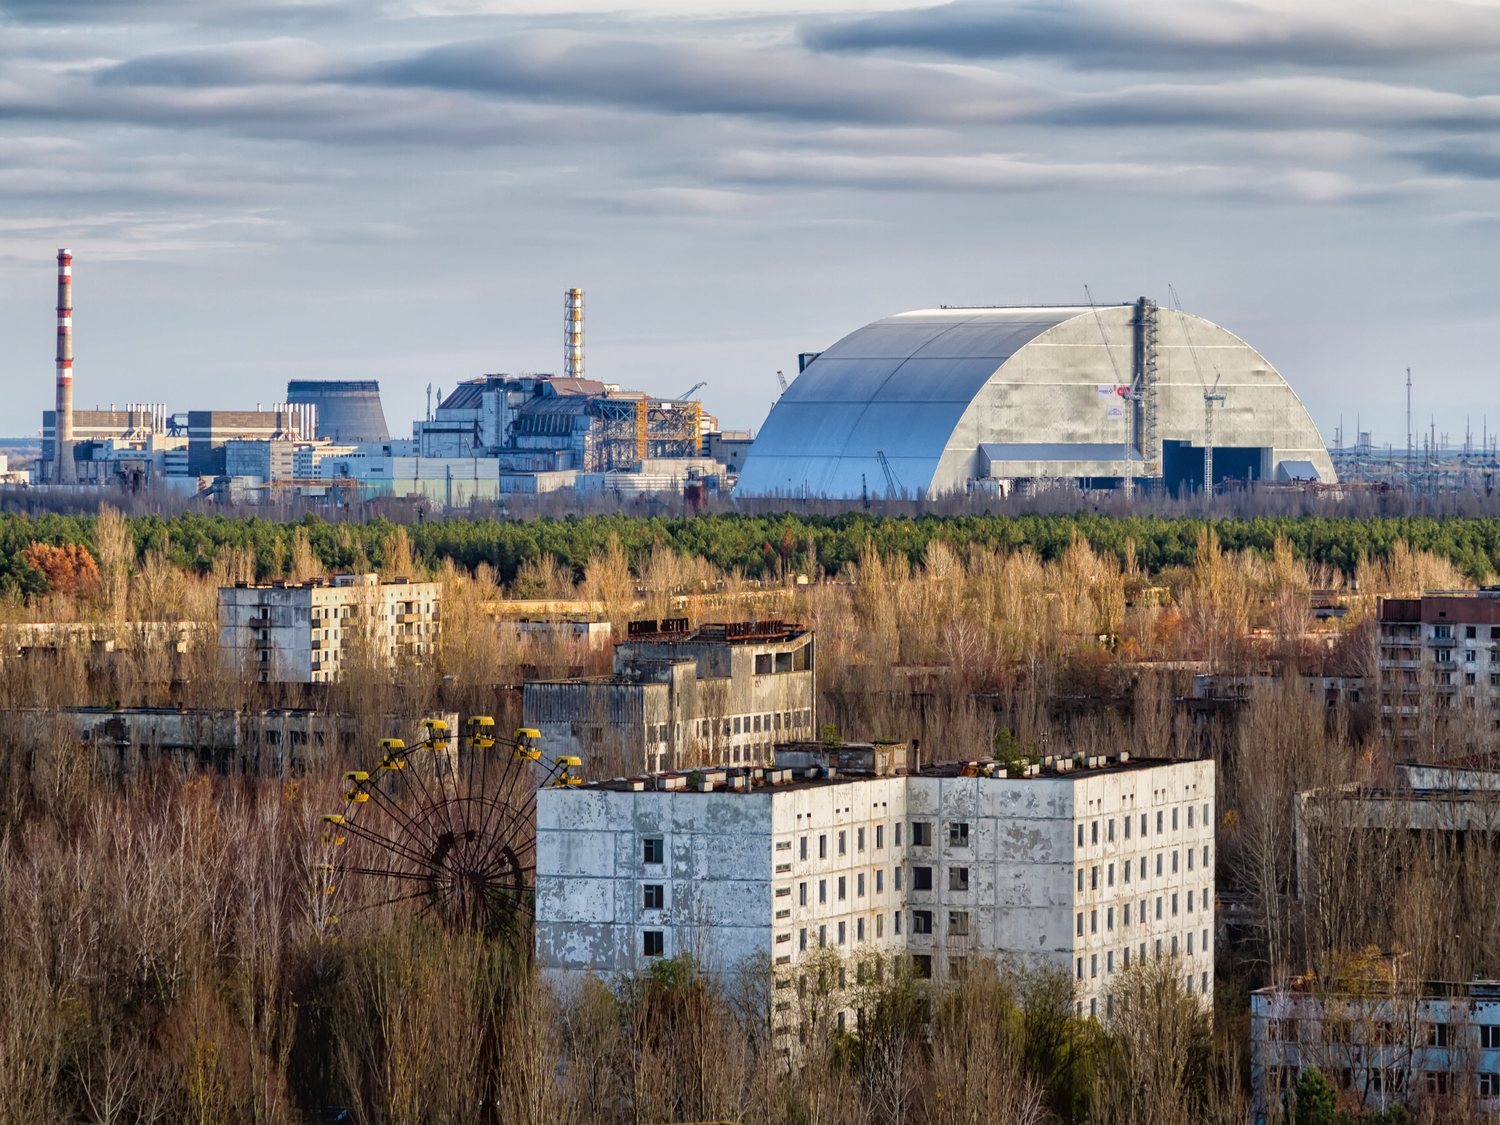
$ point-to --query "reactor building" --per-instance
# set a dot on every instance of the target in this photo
(957, 400)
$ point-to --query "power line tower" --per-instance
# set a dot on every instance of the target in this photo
(1209, 398)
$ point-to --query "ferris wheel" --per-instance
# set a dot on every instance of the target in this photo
(446, 828)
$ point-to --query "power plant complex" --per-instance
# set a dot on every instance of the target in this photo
(933, 403)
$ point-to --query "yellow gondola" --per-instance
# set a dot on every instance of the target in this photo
(392, 744)
(332, 818)
(358, 796)
(356, 775)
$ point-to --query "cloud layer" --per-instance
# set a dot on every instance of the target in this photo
(660, 142)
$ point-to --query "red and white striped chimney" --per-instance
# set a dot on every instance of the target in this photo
(62, 430)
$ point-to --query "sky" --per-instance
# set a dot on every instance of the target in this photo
(260, 190)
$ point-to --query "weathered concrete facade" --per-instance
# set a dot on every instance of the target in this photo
(289, 633)
(1388, 1042)
(722, 693)
(1439, 665)
(1084, 870)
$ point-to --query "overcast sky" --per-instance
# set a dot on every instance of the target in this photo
(258, 190)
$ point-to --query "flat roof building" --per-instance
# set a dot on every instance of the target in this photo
(679, 696)
(289, 633)
(1438, 666)
(1085, 870)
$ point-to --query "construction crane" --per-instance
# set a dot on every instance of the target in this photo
(893, 487)
(780, 378)
(687, 394)
(1210, 396)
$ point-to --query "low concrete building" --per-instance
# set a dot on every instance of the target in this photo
(288, 633)
(680, 696)
(1388, 1042)
(1085, 870)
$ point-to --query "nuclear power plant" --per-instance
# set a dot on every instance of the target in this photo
(940, 402)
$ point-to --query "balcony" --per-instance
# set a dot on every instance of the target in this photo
(260, 621)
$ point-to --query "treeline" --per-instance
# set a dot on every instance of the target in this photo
(755, 546)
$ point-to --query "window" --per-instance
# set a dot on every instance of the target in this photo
(1109, 919)
(1093, 921)
(921, 834)
(922, 963)
(896, 921)
(1158, 908)
(1437, 1035)
(1489, 1085)
(802, 848)
(921, 921)
(1110, 875)
(1174, 820)
(859, 840)
(1080, 923)
(651, 849)
(879, 879)
(1094, 832)
(1437, 1082)
(1080, 878)
(1111, 833)
(921, 878)
(958, 834)
(1126, 868)
(880, 925)
(1470, 632)
(1174, 904)
(958, 878)
(843, 842)
(896, 874)
(802, 939)
(958, 923)
(1127, 828)
(1093, 878)
(1080, 835)
(1489, 1036)
(1125, 914)
(1159, 822)
(822, 891)
(859, 885)
(859, 929)
(653, 943)
(879, 836)
(801, 894)
(1190, 816)
(1158, 864)
(843, 887)
(654, 896)
(843, 931)
(898, 835)
(1093, 964)
(1174, 861)
(822, 847)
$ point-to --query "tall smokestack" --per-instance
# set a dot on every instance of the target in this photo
(62, 435)
(573, 334)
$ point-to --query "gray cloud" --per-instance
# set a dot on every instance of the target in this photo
(685, 77)
(1178, 33)
(1464, 160)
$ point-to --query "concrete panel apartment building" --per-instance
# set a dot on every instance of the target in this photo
(1438, 661)
(283, 632)
(679, 696)
(1388, 1042)
(1087, 870)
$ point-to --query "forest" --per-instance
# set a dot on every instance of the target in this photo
(755, 546)
(161, 960)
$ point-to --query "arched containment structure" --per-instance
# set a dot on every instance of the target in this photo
(940, 401)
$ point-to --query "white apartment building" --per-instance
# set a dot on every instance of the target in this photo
(289, 633)
(1082, 869)
(1390, 1042)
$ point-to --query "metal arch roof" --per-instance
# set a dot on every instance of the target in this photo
(899, 385)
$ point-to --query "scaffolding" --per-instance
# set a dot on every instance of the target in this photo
(674, 428)
(1146, 381)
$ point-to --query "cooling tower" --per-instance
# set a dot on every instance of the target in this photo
(348, 409)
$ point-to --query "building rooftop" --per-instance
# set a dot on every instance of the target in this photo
(336, 580)
(811, 765)
(678, 630)
(1481, 606)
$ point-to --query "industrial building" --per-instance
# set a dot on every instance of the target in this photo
(1085, 865)
(949, 401)
(306, 633)
(1438, 665)
(1381, 1041)
(680, 696)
